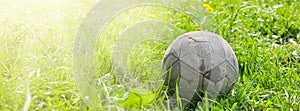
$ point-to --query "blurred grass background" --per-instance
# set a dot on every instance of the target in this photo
(36, 52)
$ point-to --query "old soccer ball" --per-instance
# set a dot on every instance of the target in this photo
(198, 62)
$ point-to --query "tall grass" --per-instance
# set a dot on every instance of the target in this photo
(36, 46)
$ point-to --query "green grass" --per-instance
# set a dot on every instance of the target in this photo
(36, 55)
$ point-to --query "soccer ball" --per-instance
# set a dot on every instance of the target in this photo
(199, 62)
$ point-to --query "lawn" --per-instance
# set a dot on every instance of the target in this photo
(38, 40)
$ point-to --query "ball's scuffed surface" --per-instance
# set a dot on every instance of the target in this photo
(199, 61)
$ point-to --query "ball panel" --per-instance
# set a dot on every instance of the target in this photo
(172, 77)
(224, 85)
(191, 60)
(223, 69)
(199, 36)
(170, 59)
(217, 48)
(172, 51)
(188, 86)
(189, 82)
(231, 73)
(212, 61)
(212, 88)
(186, 48)
(189, 74)
(185, 90)
(202, 49)
(233, 62)
(215, 75)
(227, 48)
(209, 35)
(177, 44)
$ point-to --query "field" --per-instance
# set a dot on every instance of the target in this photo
(38, 39)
